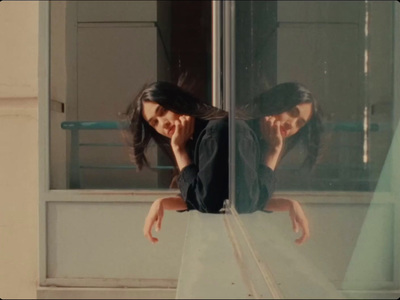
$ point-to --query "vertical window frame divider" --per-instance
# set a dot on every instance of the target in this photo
(44, 131)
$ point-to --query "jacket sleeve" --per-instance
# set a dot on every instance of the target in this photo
(204, 184)
(255, 182)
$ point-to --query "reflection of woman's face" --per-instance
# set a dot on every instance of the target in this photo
(162, 120)
(294, 119)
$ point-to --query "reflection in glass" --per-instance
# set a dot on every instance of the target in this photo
(323, 47)
(343, 53)
(275, 122)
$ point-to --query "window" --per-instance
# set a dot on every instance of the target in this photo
(345, 53)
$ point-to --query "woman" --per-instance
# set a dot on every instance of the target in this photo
(195, 136)
(192, 133)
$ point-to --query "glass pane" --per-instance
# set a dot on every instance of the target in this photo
(345, 63)
(343, 54)
(102, 54)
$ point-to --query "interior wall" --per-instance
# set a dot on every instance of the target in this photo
(191, 45)
(18, 150)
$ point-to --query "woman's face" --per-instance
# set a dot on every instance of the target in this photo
(162, 120)
(293, 120)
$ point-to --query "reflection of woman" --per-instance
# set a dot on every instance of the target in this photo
(287, 112)
(277, 120)
(195, 135)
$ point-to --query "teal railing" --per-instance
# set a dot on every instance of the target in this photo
(76, 166)
(76, 126)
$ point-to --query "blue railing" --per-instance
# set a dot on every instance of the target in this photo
(76, 126)
(75, 164)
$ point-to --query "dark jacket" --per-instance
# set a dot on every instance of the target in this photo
(204, 184)
(254, 181)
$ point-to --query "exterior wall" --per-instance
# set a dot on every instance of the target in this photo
(18, 150)
(19, 49)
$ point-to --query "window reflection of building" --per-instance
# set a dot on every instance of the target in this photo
(329, 51)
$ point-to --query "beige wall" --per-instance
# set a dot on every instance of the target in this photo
(19, 48)
(18, 149)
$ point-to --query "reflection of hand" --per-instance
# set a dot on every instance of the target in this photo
(154, 218)
(299, 221)
(296, 213)
(183, 132)
(271, 133)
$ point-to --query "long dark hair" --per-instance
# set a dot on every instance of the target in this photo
(283, 97)
(172, 97)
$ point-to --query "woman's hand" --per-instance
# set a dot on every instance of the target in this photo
(296, 213)
(299, 221)
(271, 133)
(154, 218)
(184, 129)
(156, 214)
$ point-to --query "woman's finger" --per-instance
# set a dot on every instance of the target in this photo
(183, 120)
(278, 128)
(303, 223)
(305, 236)
(271, 120)
(178, 128)
(305, 227)
(301, 240)
(267, 126)
(148, 226)
(295, 225)
(187, 125)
